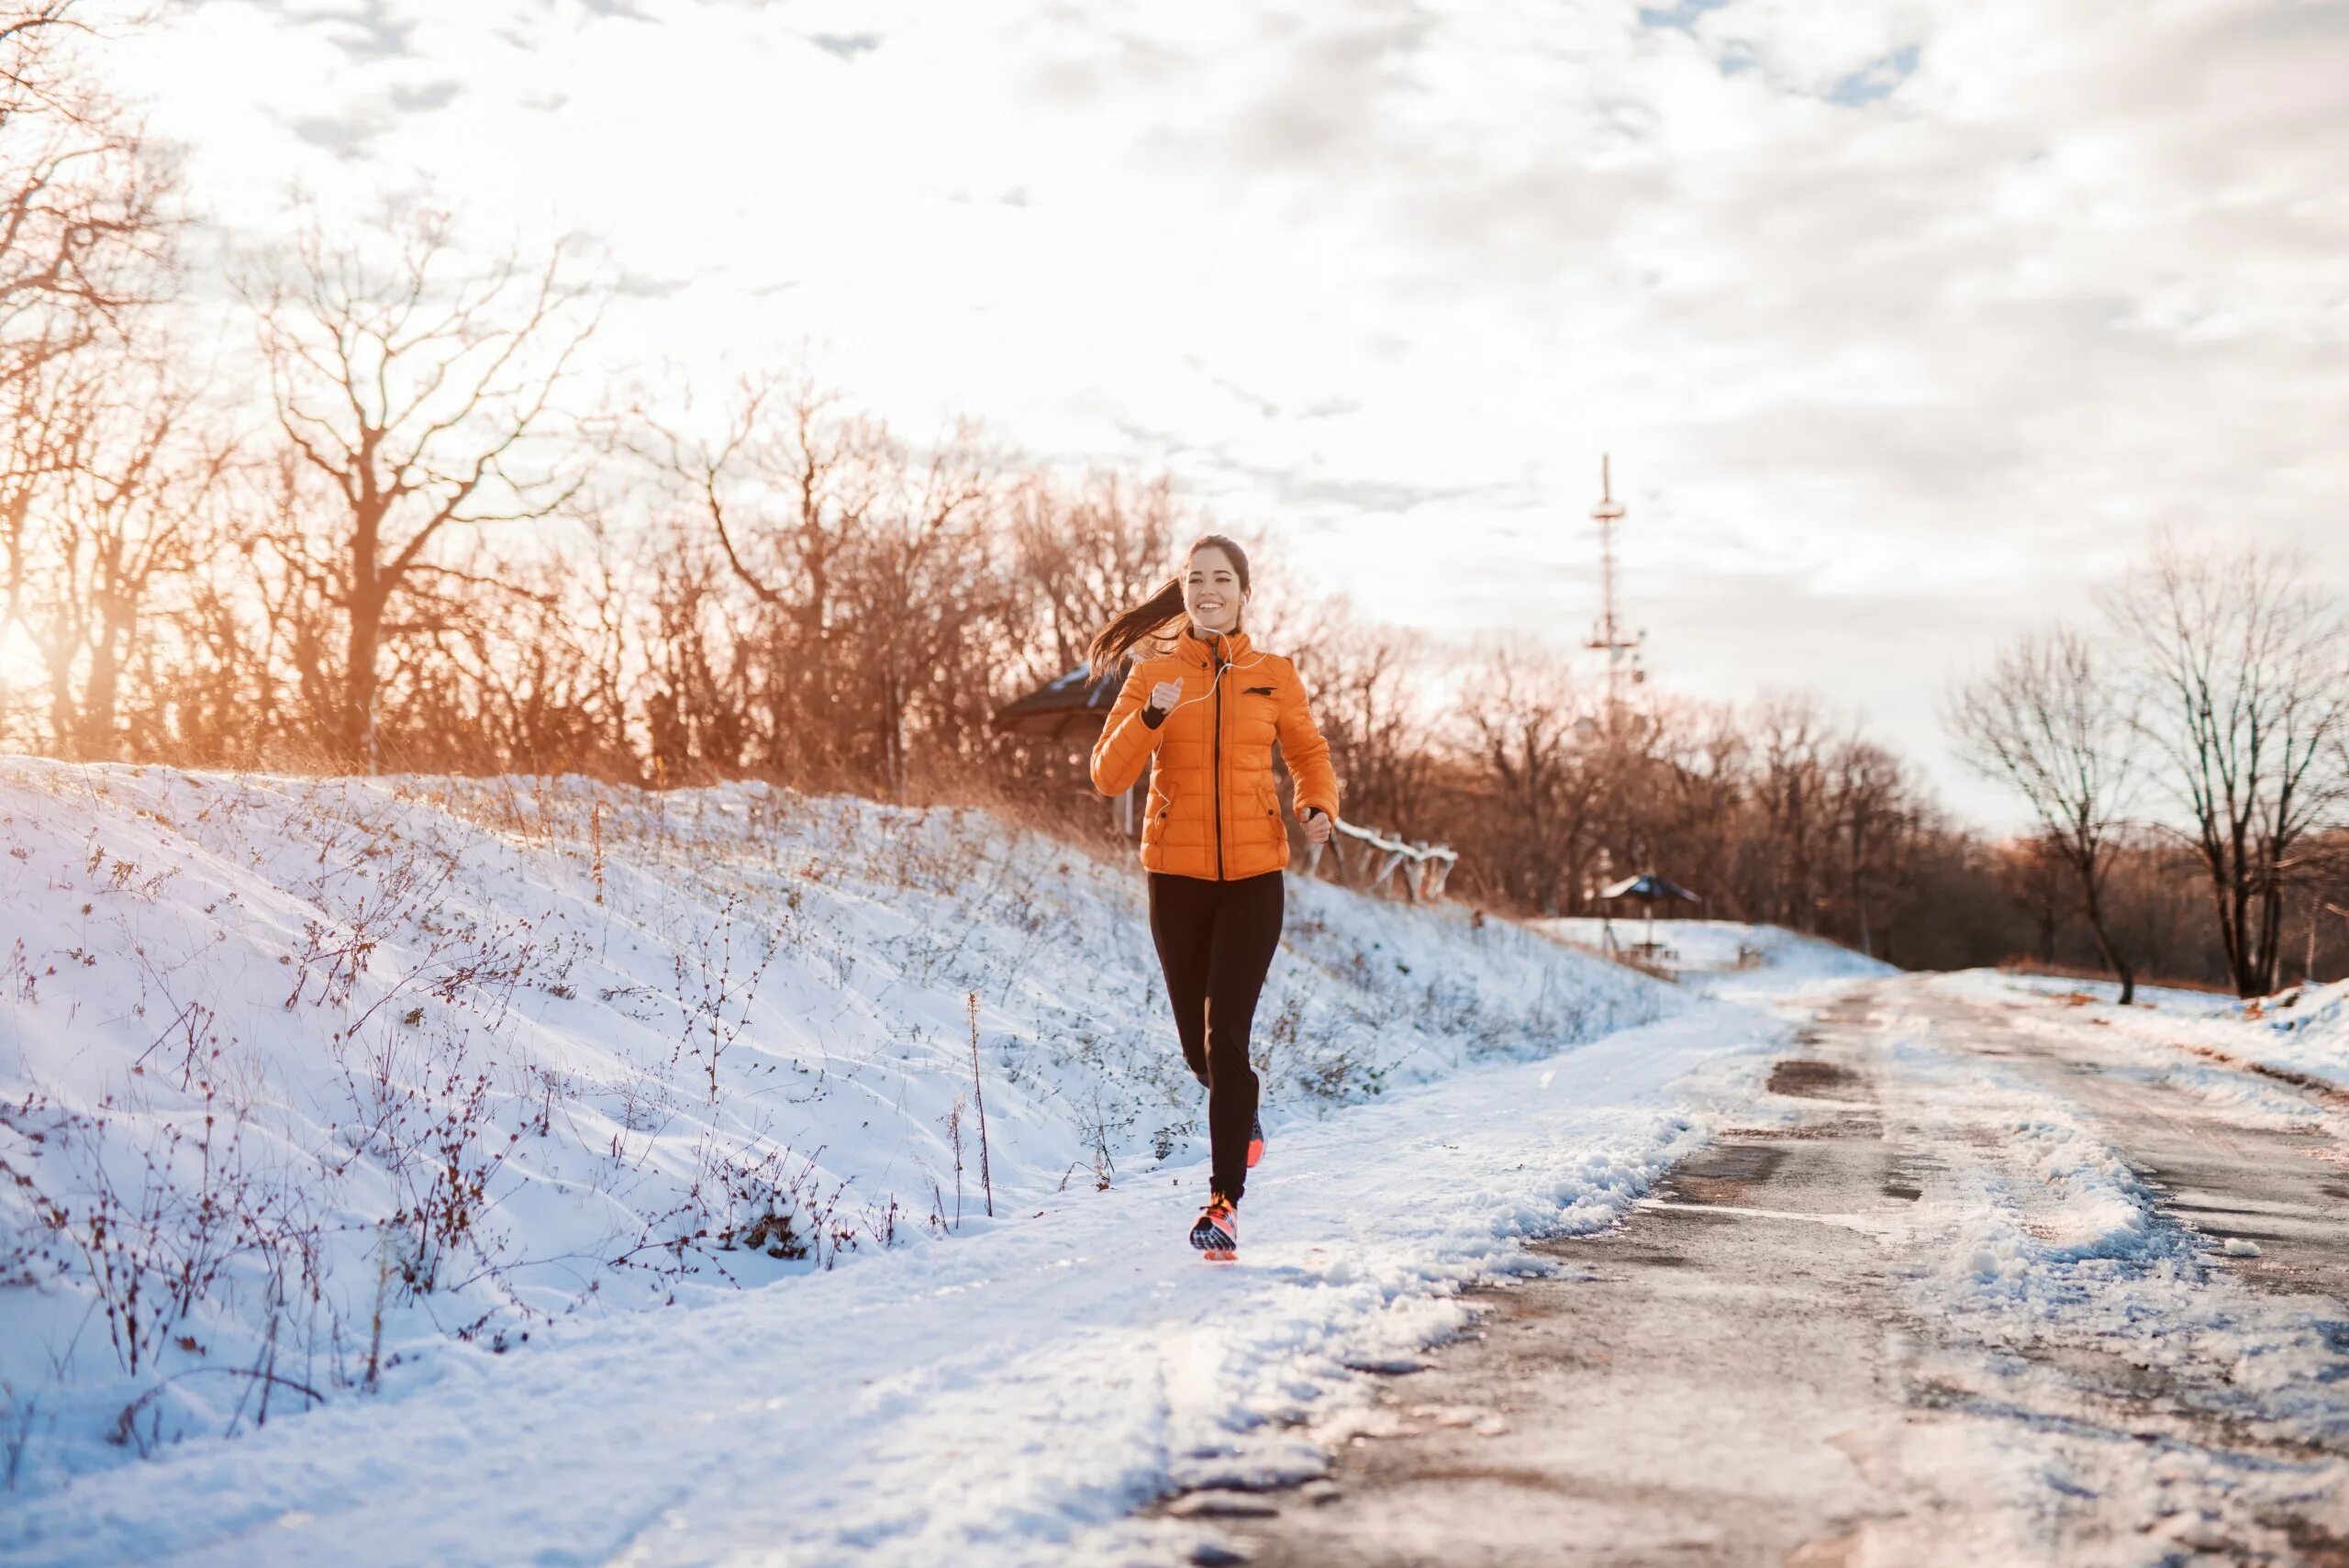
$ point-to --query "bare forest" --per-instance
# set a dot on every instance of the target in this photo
(354, 505)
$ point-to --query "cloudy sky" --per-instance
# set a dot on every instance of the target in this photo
(1904, 322)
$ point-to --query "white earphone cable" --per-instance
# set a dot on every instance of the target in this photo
(1223, 664)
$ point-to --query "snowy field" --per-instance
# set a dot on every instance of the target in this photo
(1725, 958)
(505, 1171)
(1005, 1397)
(2302, 1031)
(405, 1098)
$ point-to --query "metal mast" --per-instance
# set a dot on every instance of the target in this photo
(1610, 635)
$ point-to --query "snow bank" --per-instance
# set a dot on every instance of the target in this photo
(2169, 1000)
(1727, 957)
(2302, 1032)
(2308, 1030)
(310, 1086)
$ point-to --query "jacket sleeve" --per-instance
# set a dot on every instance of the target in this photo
(1127, 740)
(1308, 753)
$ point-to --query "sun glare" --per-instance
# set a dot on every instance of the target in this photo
(19, 659)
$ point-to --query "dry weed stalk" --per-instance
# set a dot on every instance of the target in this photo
(978, 1097)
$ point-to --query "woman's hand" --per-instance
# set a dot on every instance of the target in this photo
(1164, 695)
(1317, 823)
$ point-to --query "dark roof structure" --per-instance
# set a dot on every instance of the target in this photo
(1074, 703)
(1648, 888)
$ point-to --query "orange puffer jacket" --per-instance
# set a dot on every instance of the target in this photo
(1214, 811)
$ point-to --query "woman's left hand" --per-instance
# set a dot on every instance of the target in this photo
(1317, 823)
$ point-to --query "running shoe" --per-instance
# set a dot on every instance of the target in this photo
(1215, 1232)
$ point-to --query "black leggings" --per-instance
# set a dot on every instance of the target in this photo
(1214, 941)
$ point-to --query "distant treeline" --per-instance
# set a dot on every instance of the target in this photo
(402, 533)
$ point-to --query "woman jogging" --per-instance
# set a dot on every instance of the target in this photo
(1204, 716)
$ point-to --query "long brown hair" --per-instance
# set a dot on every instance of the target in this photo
(1157, 615)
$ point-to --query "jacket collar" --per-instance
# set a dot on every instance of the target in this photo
(1193, 649)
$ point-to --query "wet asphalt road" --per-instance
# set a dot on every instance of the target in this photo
(1736, 1375)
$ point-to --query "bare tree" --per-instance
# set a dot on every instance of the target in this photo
(418, 387)
(220, 701)
(699, 701)
(1368, 682)
(2245, 670)
(1872, 806)
(789, 490)
(46, 417)
(118, 524)
(1083, 558)
(87, 230)
(1518, 716)
(2033, 872)
(2046, 719)
(293, 588)
(1787, 852)
(87, 225)
(1695, 814)
(924, 581)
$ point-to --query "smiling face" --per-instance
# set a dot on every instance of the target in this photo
(1211, 591)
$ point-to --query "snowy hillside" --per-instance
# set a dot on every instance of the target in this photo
(1008, 1396)
(315, 1084)
(1726, 957)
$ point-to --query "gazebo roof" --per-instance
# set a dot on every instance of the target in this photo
(1648, 888)
(1079, 698)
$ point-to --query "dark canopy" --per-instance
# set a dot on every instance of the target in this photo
(1648, 888)
(1077, 702)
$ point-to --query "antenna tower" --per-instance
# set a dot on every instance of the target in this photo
(1610, 635)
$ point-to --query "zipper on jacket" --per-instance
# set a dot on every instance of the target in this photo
(1215, 796)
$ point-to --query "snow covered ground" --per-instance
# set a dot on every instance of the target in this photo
(2146, 1383)
(1725, 958)
(312, 1087)
(1006, 1397)
(351, 1131)
(2302, 1031)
